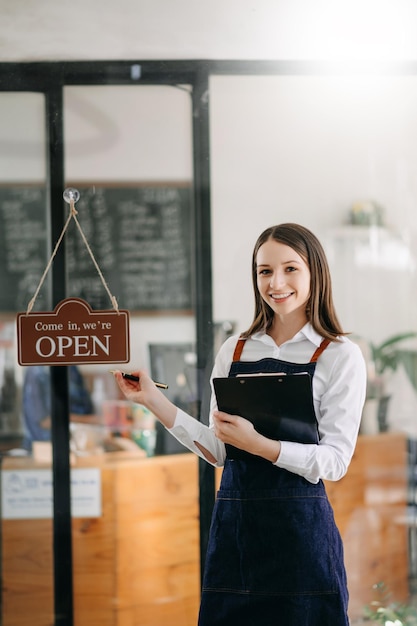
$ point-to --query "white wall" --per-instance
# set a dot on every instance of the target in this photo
(127, 133)
(198, 29)
(303, 149)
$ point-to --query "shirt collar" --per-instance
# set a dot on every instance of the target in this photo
(311, 334)
(307, 332)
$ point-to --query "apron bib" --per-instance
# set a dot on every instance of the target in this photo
(275, 556)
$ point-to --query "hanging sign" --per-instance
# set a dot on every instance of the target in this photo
(73, 333)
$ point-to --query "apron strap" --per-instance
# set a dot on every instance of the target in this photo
(319, 350)
(238, 349)
(241, 344)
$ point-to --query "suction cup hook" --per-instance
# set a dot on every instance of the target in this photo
(71, 195)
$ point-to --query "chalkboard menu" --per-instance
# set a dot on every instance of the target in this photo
(23, 245)
(140, 237)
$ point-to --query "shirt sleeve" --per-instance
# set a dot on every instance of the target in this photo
(339, 413)
(195, 435)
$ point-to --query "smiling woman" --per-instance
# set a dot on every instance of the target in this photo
(274, 488)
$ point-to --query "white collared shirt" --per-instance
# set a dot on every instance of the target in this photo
(339, 387)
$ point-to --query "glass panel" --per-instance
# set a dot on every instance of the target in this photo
(337, 154)
(26, 538)
(129, 153)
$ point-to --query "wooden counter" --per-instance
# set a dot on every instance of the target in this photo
(138, 564)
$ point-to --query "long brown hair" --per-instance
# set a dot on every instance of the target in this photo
(319, 308)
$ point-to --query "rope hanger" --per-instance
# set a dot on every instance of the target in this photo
(71, 196)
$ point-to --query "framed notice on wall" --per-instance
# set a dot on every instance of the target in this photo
(140, 235)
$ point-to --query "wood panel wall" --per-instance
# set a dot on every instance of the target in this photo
(370, 505)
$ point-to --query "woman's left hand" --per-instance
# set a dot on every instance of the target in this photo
(240, 432)
(235, 430)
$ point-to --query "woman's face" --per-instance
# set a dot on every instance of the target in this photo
(283, 278)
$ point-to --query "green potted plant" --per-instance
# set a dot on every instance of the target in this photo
(384, 359)
(392, 352)
(388, 612)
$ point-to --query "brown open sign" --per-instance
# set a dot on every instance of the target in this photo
(73, 333)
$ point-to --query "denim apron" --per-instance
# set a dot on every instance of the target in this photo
(275, 556)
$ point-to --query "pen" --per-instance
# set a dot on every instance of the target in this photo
(136, 379)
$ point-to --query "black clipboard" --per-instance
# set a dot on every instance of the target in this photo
(279, 406)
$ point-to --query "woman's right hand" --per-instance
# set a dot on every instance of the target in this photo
(136, 391)
(145, 392)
